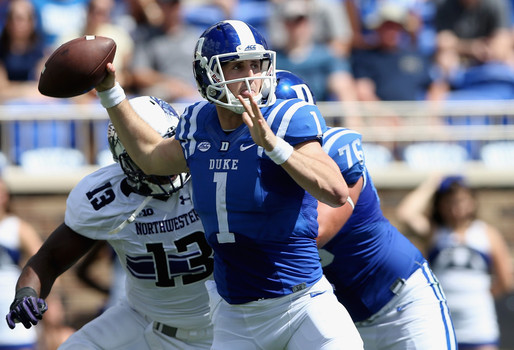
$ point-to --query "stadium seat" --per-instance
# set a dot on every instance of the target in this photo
(489, 81)
(100, 141)
(27, 135)
(498, 154)
(435, 155)
(52, 159)
(376, 155)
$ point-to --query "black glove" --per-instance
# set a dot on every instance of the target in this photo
(26, 308)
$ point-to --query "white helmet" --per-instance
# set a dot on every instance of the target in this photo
(162, 118)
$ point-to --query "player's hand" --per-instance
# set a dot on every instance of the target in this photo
(26, 308)
(259, 128)
(109, 80)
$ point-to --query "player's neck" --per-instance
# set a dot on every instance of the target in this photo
(229, 120)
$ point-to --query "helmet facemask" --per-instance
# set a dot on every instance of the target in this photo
(219, 93)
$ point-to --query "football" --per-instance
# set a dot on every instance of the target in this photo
(76, 66)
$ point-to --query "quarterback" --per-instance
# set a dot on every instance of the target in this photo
(257, 170)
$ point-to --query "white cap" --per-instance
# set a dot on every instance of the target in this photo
(390, 11)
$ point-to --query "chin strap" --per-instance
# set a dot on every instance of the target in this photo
(132, 217)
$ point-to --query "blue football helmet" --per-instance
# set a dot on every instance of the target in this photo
(290, 86)
(162, 118)
(232, 41)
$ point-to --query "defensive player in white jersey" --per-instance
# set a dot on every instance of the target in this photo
(257, 168)
(470, 256)
(378, 274)
(158, 236)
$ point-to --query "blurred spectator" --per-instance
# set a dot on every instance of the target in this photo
(472, 32)
(393, 70)
(474, 56)
(22, 57)
(363, 14)
(160, 64)
(58, 17)
(469, 257)
(203, 13)
(18, 241)
(4, 5)
(426, 32)
(99, 21)
(141, 18)
(330, 24)
(327, 75)
(21, 53)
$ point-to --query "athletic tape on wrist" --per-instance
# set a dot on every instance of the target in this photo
(112, 97)
(281, 152)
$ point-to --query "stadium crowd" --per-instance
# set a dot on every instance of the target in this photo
(387, 50)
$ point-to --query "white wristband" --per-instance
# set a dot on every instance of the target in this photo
(281, 152)
(112, 97)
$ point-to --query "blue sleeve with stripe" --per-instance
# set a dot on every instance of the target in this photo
(344, 146)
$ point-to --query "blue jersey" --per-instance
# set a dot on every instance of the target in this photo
(369, 257)
(261, 224)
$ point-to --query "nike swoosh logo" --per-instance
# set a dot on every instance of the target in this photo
(315, 294)
(403, 307)
(244, 148)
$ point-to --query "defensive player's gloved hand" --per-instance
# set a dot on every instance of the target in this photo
(26, 308)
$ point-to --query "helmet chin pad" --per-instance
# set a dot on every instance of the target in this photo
(226, 99)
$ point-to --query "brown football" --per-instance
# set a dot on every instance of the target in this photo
(76, 66)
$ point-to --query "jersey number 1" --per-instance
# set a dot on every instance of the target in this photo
(224, 235)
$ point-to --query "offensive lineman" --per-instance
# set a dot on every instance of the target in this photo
(379, 275)
(152, 225)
